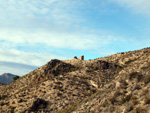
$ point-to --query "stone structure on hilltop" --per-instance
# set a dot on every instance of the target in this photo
(80, 58)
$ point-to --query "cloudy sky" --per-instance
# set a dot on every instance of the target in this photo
(32, 32)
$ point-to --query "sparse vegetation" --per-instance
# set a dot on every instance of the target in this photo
(69, 109)
(147, 79)
(135, 102)
(136, 75)
(118, 69)
(3, 97)
(111, 84)
(147, 99)
(130, 61)
(139, 110)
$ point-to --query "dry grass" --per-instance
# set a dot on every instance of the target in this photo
(147, 99)
(147, 79)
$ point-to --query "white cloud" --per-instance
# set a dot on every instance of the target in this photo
(38, 13)
(54, 23)
(34, 59)
(54, 39)
(138, 6)
(15, 68)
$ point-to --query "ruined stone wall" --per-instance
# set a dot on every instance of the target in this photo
(81, 58)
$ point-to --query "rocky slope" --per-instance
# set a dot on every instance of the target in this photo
(115, 84)
(6, 78)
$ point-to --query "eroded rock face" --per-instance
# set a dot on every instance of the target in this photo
(57, 67)
(51, 69)
(104, 65)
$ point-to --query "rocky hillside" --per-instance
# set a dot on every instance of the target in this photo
(114, 84)
(6, 78)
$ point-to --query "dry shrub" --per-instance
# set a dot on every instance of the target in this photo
(117, 93)
(38, 104)
(128, 97)
(145, 92)
(105, 104)
(147, 99)
(135, 102)
(140, 110)
(137, 75)
(112, 100)
(132, 75)
(147, 79)
(138, 87)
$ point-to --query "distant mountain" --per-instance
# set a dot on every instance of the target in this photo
(6, 77)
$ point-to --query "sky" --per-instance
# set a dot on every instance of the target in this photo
(32, 32)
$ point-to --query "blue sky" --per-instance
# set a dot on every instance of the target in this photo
(32, 32)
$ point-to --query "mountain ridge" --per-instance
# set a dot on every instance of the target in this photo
(113, 84)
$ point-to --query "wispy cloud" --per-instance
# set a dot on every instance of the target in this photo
(27, 13)
(15, 68)
(33, 58)
(137, 6)
(53, 39)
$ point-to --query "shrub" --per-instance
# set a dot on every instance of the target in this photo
(59, 94)
(122, 101)
(112, 100)
(128, 97)
(138, 87)
(15, 78)
(70, 108)
(140, 110)
(145, 91)
(135, 102)
(105, 104)
(38, 104)
(147, 99)
(147, 79)
(132, 75)
(3, 97)
(130, 61)
(44, 91)
(137, 75)
(118, 69)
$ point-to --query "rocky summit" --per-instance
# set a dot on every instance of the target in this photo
(119, 83)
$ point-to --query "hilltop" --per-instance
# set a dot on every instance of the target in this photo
(119, 83)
